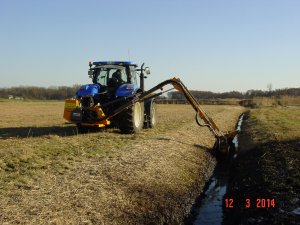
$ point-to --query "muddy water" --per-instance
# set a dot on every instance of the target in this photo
(210, 210)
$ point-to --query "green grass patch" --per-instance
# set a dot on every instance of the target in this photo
(277, 123)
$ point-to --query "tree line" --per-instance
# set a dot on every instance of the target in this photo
(28, 92)
(235, 94)
(63, 92)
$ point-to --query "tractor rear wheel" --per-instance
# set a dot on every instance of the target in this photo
(150, 115)
(132, 119)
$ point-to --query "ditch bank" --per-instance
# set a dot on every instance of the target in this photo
(264, 183)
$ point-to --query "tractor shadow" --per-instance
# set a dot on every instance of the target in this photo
(31, 131)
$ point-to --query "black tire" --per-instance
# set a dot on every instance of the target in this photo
(150, 115)
(132, 119)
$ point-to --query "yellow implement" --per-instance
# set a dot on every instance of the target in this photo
(223, 139)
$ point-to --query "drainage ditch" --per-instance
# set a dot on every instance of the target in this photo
(208, 208)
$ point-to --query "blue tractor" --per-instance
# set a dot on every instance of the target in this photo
(111, 99)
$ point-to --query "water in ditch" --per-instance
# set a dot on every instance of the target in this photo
(210, 210)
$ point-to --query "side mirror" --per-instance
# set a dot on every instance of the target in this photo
(90, 73)
(147, 70)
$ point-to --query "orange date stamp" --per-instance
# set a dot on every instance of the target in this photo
(256, 203)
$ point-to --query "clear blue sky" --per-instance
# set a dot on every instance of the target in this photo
(211, 45)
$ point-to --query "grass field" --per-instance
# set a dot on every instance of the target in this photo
(275, 124)
(51, 174)
(268, 167)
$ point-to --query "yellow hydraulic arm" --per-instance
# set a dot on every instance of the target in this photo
(223, 139)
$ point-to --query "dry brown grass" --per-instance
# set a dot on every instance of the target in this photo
(272, 124)
(55, 176)
(37, 113)
(289, 100)
(272, 101)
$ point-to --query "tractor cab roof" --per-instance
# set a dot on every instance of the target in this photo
(117, 63)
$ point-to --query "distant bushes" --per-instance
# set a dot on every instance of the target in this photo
(251, 98)
(250, 94)
(201, 101)
(50, 93)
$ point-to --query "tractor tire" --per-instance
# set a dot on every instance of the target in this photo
(150, 115)
(132, 119)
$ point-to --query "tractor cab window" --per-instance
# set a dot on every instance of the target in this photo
(104, 75)
(118, 74)
(133, 76)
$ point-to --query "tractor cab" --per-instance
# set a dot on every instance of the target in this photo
(113, 73)
(115, 78)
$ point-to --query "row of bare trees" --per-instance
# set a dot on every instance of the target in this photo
(50, 93)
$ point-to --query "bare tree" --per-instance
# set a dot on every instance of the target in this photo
(269, 87)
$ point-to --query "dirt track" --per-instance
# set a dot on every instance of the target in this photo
(153, 181)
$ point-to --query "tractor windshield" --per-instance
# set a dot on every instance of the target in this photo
(103, 74)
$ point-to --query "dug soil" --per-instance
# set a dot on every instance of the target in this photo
(265, 186)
